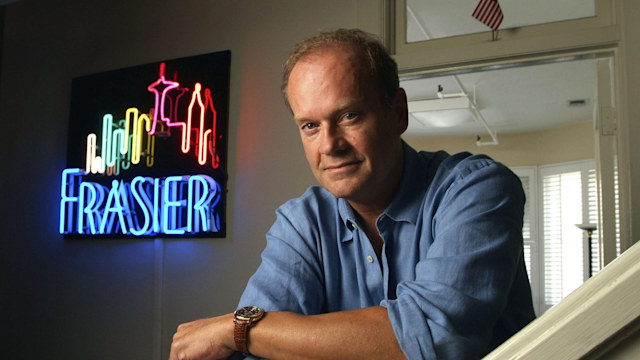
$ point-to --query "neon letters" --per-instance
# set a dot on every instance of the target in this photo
(175, 205)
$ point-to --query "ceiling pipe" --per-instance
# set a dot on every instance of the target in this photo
(478, 116)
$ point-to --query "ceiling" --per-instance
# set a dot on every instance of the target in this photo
(510, 100)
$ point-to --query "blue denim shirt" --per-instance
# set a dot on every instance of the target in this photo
(452, 273)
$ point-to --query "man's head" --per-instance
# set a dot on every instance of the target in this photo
(379, 64)
(349, 123)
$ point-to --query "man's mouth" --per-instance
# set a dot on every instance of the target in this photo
(341, 166)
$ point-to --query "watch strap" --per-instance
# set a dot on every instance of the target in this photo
(240, 335)
(244, 318)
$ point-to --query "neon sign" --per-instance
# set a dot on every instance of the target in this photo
(147, 151)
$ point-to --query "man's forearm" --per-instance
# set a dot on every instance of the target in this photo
(355, 334)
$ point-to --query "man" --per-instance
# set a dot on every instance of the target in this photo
(398, 253)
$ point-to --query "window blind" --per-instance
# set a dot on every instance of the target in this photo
(563, 251)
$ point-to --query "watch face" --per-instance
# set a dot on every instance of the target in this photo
(249, 313)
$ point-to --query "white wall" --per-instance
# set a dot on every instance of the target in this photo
(123, 299)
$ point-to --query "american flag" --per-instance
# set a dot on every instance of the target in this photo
(489, 13)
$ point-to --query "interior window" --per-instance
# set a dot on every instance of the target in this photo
(434, 19)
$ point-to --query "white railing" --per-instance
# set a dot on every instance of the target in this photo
(587, 320)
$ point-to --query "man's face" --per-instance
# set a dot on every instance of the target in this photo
(351, 140)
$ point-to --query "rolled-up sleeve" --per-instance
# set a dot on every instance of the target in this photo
(463, 280)
(289, 277)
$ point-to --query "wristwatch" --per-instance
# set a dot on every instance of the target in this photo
(244, 318)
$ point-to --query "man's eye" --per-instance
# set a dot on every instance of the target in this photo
(309, 126)
(350, 116)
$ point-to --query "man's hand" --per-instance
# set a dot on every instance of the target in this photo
(204, 339)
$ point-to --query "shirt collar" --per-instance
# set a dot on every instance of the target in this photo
(407, 202)
(347, 215)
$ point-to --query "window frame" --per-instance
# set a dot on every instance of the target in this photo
(570, 37)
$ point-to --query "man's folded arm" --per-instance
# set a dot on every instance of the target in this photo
(354, 334)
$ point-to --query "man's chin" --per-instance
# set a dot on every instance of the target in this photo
(347, 188)
(349, 194)
(343, 193)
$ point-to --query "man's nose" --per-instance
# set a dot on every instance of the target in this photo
(332, 141)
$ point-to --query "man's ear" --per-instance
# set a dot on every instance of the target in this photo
(401, 111)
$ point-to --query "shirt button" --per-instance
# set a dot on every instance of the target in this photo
(370, 258)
